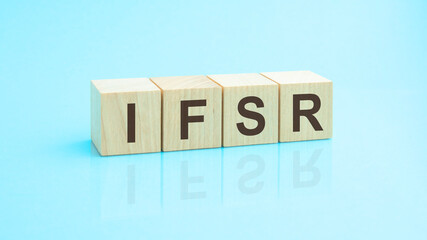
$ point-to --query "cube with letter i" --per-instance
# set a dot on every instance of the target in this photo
(305, 105)
(125, 116)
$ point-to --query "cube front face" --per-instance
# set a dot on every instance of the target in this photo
(191, 118)
(131, 122)
(250, 115)
(126, 122)
(305, 111)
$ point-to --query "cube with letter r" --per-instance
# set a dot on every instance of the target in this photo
(305, 105)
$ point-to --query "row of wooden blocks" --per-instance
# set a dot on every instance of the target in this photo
(143, 115)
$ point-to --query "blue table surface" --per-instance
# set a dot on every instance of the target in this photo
(368, 181)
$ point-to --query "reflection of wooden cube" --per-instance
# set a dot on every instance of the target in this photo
(125, 116)
(305, 105)
(250, 109)
(191, 112)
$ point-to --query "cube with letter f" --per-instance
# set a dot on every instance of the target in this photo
(191, 107)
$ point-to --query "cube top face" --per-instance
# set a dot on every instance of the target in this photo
(305, 105)
(191, 108)
(295, 77)
(184, 82)
(241, 80)
(125, 121)
(124, 85)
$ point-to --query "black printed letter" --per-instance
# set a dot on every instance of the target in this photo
(309, 113)
(185, 119)
(252, 115)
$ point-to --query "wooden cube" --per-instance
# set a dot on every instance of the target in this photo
(250, 109)
(125, 116)
(191, 112)
(305, 105)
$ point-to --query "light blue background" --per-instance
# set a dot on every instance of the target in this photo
(368, 181)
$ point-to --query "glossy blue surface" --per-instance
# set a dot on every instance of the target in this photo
(368, 181)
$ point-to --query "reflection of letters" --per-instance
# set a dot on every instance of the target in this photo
(187, 180)
(251, 175)
(308, 168)
(131, 184)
